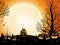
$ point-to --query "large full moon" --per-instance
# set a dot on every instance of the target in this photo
(23, 15)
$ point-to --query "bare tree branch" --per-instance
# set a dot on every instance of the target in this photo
(3, 9)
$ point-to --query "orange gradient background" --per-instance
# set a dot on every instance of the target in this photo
(40, 4)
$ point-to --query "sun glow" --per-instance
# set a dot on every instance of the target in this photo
(24, 20)
(23, 15)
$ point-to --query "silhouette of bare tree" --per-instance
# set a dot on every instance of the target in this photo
(3, 9)
(53, 15)
(50, 23)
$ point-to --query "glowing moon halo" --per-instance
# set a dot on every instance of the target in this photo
(23, 15)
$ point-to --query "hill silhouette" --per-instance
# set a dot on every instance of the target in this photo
(27, 40)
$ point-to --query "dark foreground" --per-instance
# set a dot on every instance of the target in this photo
(30, 40)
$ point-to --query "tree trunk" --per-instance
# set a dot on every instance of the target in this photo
(52, 25)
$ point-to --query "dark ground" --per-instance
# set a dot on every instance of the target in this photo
(29, 40)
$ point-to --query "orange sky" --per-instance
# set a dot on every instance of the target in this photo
(41, 4)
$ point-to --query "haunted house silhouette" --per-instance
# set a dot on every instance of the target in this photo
(25, 39)
(23, 32)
